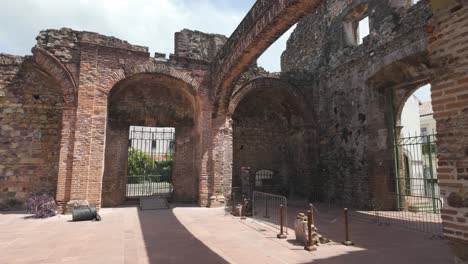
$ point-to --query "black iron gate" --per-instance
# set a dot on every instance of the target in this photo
(416, 174)
(150, 162)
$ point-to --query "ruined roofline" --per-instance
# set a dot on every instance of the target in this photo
(203, 33)
(67, 37)
(8, 59)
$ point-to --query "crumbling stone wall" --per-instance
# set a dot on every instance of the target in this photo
(356, 162)
(30, 113)
(198, 45)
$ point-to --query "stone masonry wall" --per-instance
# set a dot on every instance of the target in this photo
(198, 45)
(30, 115)
(356, 162)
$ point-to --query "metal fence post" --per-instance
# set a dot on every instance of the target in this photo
(281, 235)
(347, 242)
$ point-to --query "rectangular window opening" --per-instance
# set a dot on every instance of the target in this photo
(362, 30)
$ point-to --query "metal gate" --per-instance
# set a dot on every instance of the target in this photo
(150, 162)
(416, 178)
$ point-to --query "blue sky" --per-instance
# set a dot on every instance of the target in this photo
(150, 23)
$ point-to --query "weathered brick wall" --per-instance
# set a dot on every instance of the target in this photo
(353, 91)
(30, 114)
(449, 53)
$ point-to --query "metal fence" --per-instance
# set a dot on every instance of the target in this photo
(149, 185)
(266, 208)
(150, 162)
(417, 213)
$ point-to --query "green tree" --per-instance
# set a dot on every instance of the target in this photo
(139, 164)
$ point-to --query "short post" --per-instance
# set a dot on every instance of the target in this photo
(309, 246)
(281, 235)
(266, 208)
(233, 201)
(347, 242)
(312, 210)
(242, 213)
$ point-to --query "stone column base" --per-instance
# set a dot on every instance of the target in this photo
(217, 201)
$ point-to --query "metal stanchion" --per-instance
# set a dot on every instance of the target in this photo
(347, 242)
(281, 235)
(309, 246)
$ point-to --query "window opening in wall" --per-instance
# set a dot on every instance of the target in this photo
(362, 30)
(356, 25)
(416, 155)
(150, 161)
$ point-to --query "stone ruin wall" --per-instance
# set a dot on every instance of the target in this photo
(30, 114)
(351, 85)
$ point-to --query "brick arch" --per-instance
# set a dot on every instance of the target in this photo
(152, 68)
(262, 83)
(262, 26)
(52, 66)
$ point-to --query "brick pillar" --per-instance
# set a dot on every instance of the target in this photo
(449, 55)
(88, 160)
(222, 160)
(205, 156)
(66, 156)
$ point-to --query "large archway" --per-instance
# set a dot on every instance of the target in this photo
(151, 100)
(273, 131)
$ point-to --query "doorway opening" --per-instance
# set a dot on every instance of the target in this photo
(150, 162)
(416, 158)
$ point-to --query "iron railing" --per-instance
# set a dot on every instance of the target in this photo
(266, 208)
(416, 166)
(412, 212)
(150, 162)
(149, 185)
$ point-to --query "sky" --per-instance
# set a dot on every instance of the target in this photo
(150, 23)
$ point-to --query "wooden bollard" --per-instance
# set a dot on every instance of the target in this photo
(281, 235)
(347, 242)
(309, 246)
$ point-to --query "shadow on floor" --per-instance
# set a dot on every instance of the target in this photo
(168, 241)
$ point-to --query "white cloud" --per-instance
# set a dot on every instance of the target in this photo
(149, 23)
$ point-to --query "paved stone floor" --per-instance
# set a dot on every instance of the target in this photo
(200, 235)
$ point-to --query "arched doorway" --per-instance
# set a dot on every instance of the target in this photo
(152, 102)
(274, 137)
(416, 152)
